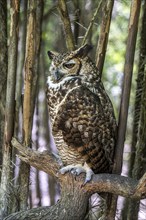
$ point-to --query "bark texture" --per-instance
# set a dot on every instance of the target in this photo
(103, 36)
(35, 13)
(5, 193)
(74, 194)
(62, 7)
(3, 70)
(128, 71)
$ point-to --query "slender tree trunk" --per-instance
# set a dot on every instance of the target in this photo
(21, 56)
(6, 185)
(128, 70)
(139, 129)
(103, 36)
(62, 7)
(3, 70)
(30, 82)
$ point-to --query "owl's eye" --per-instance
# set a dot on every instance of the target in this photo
(68, 65)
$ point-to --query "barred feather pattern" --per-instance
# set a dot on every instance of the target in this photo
(82, 116)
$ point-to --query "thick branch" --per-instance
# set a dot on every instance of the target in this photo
(40, 160)
(111, 183)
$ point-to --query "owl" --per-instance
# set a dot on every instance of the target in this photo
(82, 116)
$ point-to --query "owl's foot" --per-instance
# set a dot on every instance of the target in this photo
(77, 169)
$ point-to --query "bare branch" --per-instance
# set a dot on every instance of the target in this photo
(91, 23)
(103, 37)
(111, 183)
(40, 160)
(62, 8)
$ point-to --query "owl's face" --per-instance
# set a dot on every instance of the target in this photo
(66, 69)
(73, 65)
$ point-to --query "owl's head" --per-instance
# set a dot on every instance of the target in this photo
(75, 64)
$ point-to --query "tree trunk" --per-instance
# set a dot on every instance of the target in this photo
(3, 70)
(134, 206)
(30, 82)
(103, 36)
(6, 185)
(20, 66)
(140, 157)
(127, 79)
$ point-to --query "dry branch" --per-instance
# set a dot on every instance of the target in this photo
(111, 183)
(62, 8)
(74, 195)
(40, 160)
(91, 23)
(103, 37)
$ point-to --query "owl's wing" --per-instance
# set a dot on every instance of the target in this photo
(88, 126)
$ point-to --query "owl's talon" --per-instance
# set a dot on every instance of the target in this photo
(77, 170)
(73, 171)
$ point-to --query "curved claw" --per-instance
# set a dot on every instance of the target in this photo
(77, 170)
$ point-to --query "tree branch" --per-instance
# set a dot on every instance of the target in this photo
(103, 36)
(62, 8)
(91, 23)
(111, 183)
(40, 160)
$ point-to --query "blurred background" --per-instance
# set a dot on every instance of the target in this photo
(43, 190)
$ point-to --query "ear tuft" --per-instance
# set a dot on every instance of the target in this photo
(50, 54)
(84, 50)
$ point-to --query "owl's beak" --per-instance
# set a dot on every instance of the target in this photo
(57, 75)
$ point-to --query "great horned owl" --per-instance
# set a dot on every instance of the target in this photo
(82, 116)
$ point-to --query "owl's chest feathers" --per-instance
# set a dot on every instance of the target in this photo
(57, 91)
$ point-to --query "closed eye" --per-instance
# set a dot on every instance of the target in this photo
(68, 65)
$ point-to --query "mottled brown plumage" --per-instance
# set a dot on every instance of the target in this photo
(82, 116)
